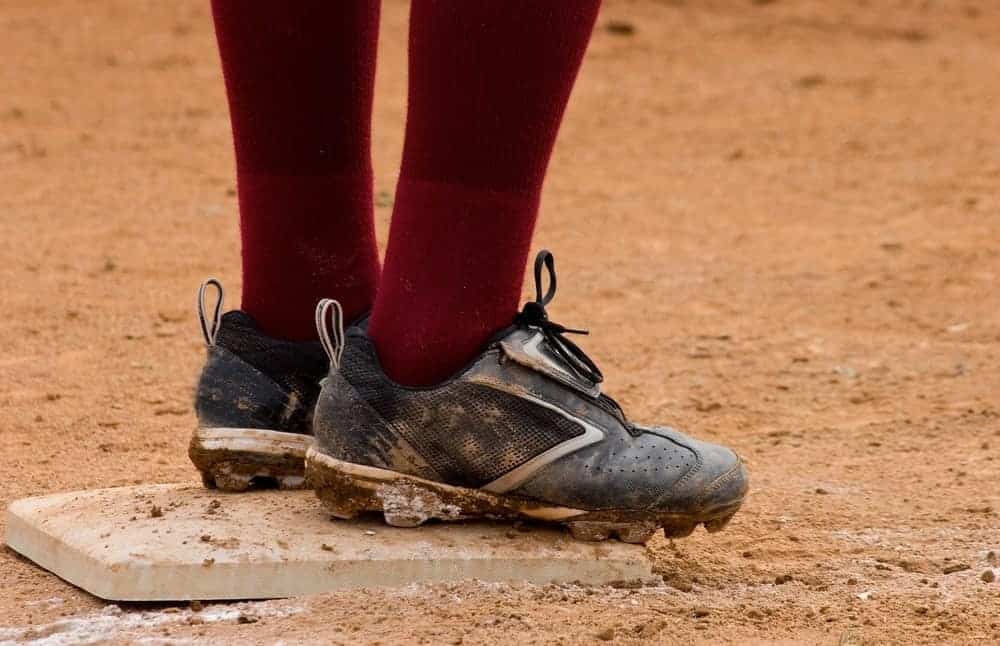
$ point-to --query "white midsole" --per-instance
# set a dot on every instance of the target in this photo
(553, 513)
(252, 440)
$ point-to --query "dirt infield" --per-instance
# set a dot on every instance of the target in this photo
(779, 219)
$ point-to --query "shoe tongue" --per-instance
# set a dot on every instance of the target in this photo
(527, 347)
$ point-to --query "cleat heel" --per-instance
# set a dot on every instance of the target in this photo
(639, 532)
(207, 479)
(678, 530)
(718, 524)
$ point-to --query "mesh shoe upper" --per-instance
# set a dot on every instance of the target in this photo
(507, 428)
(469, 433)
(251, 380)
(296, 366)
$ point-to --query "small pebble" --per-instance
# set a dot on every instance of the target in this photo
(683, 586)
(620, 27)
(988, 576)
(650, 629)
(607, 634)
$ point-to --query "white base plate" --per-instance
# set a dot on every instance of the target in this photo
(180, 542)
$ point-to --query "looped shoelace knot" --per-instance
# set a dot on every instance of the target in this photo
(533, 314)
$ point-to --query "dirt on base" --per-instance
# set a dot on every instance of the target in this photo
(780, 220)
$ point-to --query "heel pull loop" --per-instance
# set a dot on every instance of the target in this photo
(330, 327)
(210, 331)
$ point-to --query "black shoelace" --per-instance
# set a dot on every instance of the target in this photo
(533, 314)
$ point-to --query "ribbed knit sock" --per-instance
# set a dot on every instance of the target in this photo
(299, 78)
(489, 82)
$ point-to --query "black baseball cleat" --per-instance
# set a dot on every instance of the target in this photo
(522, 432)
(254, 402)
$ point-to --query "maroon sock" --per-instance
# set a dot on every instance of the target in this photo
(489, 81)
(299, 77)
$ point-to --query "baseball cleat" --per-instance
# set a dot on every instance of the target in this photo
(254, 402)
(523, 432)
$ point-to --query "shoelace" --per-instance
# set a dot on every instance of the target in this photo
(533, 314)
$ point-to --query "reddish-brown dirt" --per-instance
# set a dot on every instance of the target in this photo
(780, 220)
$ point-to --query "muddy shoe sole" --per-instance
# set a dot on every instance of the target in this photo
(236, 459)
(349, 489)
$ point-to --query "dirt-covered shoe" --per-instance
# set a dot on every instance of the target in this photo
(254, 402)
(521, 432)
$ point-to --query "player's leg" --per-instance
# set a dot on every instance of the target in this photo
(299, 79)
(489, 81)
